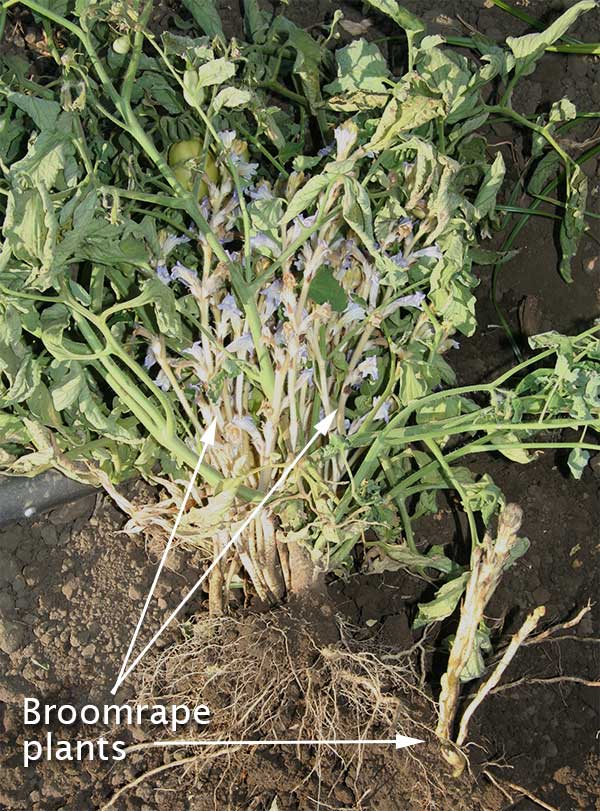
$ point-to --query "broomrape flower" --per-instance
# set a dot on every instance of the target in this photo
(383, 412)
(227, 137)
(170, 242)
(272, 294)
(353, 313)
(368, 368)
(241, 346)
(245, 170)
(431, 252)
(314, 258)
(163, 274)
(150, 359)
(345, 138)
(306, 221)
(162, 381)
(305, 378)
(247, 425)
(229, 308)
(414, 300)
(261, 240)
(260, 192)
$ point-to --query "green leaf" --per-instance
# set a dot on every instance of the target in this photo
(44, 112)
(163, 299)
(446, 599)
(398, 14)
(325, 288)
(529, 48)
(402, 115)
(519, 548)
(572, 226)
(206, 16)
(361, 67)
(69, 389)
(44, 161)
(485, 202)
(305, 196)
(577, 461)
(231, 97)
(308, 59)
(475, 664)
(216, 72)
(256, 21)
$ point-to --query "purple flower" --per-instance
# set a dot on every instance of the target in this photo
(196, 351)
(326, 150)
(414, 300)
(383, 412)
(229, 308)
(263, 241)
(163, 273)
(150, 358)
(243, 344)
(400, 260)
(227, 137)
(184, 274)
(272, 293)
(171, 242)
(162, 381)
(353, 312)
(431, 252)
(307, 222)
(261, 192)
(368, 368)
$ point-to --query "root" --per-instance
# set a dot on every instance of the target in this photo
(265, 678)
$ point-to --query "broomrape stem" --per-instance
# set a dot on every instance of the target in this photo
(517, 640)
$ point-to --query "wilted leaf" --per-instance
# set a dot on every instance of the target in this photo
(529, 48)
(577, 461)
(573, 222)
(361, 67)
(399, 14)
(444, 603)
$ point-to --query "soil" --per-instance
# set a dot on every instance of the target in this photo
(71, 585)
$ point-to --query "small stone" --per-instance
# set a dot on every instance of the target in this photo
(12, 636)
(162, 589)
(89, 651)
(135, 592)
(69, 588)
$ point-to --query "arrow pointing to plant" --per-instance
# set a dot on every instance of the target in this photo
(400, 742)
(207, 439)
(321, 429)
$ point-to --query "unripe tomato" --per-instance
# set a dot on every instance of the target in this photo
(183, 157)
(121, 45)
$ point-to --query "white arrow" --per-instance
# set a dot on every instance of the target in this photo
(400, 742)
(207, 438)
(321, 429)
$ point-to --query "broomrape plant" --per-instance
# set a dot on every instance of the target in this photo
(264, 232)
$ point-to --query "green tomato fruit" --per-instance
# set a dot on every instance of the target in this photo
(182, 157)
(121, 45)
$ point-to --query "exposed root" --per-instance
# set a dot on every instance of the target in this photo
(266, 677)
